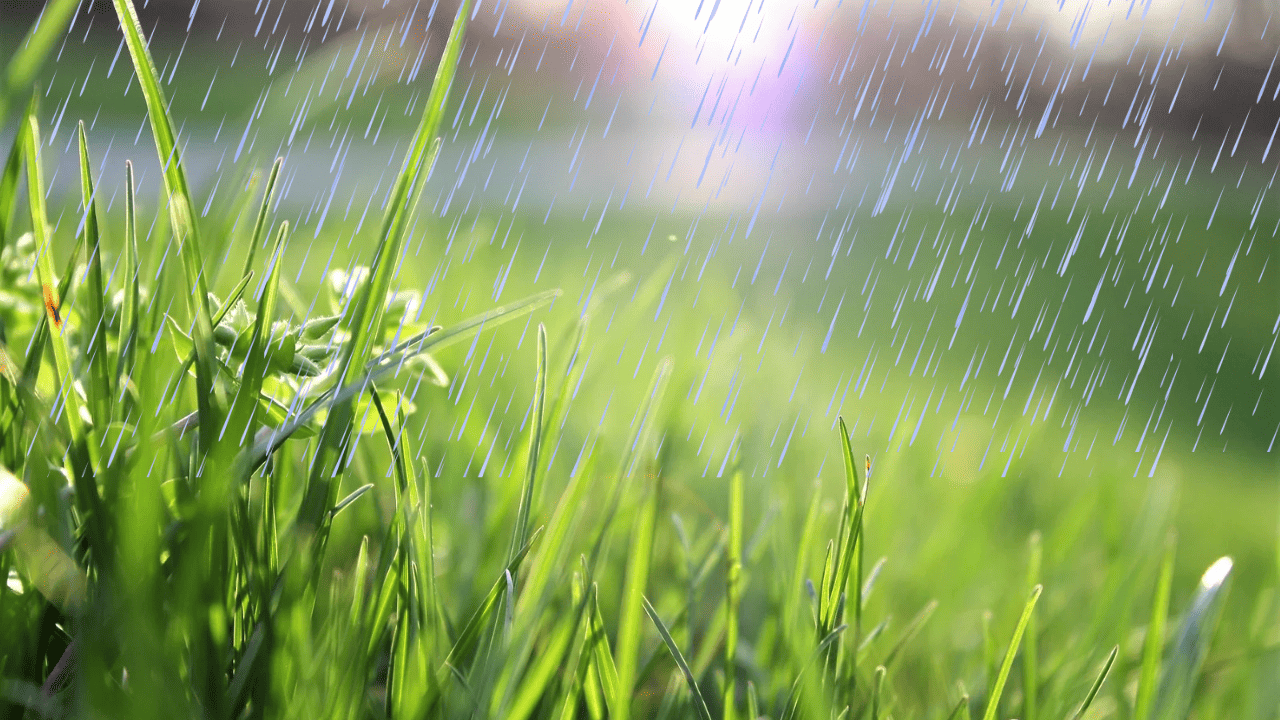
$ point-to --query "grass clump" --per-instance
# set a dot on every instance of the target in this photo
(172, 483)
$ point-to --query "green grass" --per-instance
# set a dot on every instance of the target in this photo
(266, 515)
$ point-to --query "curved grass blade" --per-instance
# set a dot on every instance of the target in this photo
(1097, 684)
(993, 702)
(181, 215)
(699, 704)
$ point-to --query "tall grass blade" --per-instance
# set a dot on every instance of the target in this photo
(633, 589)
(792, 702)
(129, 263)
(1030, 662)
(993, 703)
(9, 179)
(521, 532)
(602, 660)
(260, 225)
(367, 309)
(182, 219)
(733, 593)
(82, 461)
(1153, 646)
(99, 386)
(241, 422)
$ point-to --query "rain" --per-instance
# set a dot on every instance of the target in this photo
(970, 228)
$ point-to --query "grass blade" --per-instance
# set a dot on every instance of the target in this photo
(82, 461)
(130, 319)
(849, 535)
(633, 588)
(470, 635)
(699, 704)
(366, 312)
(961, 710)
(1030, 664)
(993, 702)
(733, 593)
(792, 702)
(182, 219)
(9, 183)
(1153, 646)
(260, 225)
(876, 690)
(912, 629)
(241, 418)
(521, 533)
(1097, 684)
(602, 657)
(99, 386)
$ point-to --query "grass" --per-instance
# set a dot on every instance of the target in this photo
(212, 503)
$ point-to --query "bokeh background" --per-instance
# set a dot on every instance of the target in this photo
(1024, 248)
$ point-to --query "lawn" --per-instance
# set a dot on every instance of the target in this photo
(414, 462)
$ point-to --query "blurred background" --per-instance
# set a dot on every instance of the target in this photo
(1022, 247)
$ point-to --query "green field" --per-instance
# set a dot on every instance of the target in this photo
(632, 467)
